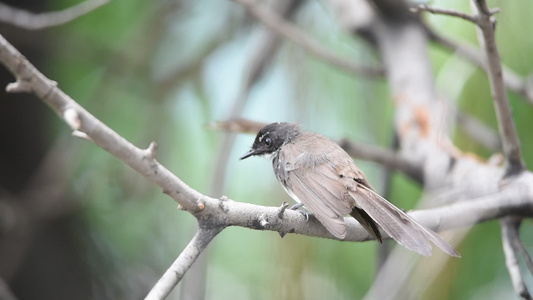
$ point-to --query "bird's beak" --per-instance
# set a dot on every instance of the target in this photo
(249, 153)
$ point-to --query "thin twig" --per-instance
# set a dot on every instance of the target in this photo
(30, 21)
(274, 22)
(506, 125)
(510, 226)
(187, 257)
(445, 11)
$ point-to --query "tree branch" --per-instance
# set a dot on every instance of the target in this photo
(510, 239)
(506, 126)
(444, 11)
(515, 199)
(274, 22)
(187, 257)
(30, 21)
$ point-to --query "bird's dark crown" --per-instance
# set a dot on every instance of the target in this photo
(271, 137)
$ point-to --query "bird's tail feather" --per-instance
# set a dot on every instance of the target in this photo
(397, 224)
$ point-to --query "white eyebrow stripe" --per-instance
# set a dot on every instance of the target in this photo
(261, 137)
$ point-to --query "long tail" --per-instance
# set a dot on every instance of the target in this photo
(400, 226)
(367, 222)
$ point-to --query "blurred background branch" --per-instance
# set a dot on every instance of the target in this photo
(284, 28)
(511, 240)
(31, 21)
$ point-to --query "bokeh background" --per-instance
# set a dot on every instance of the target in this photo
(76, 223)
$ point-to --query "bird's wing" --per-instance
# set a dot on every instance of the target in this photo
(316, 184)
(400, 226)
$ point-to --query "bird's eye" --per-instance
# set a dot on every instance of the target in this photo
(268, 142)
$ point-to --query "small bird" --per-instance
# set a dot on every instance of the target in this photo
(317, 173)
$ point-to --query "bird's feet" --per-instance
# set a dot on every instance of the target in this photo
(297, 207)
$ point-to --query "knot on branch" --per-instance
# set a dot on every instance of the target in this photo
(222, 204)
(81, 135)
(282, 208)
(151, 151)
(72, 118)
(263, 221)
(201, 206)
(20, 86)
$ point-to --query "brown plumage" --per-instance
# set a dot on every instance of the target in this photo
(317, 172)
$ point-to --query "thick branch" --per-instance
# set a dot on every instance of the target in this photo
(284, 28)
(30, 21)
(517, 198)
(187, 257)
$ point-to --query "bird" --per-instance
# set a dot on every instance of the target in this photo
(318, 174)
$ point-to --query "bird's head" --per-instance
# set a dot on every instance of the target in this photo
(271, 137)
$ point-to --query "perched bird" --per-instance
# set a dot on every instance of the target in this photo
(319, 174)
